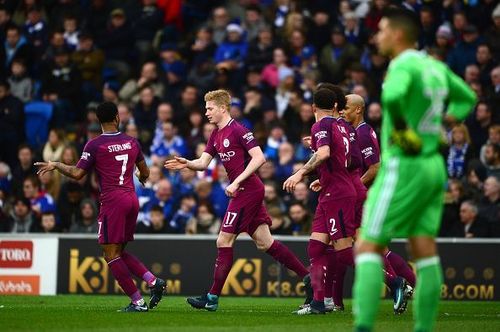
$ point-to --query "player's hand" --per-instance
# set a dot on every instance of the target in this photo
(306, 140)
(315, 186)
(44, 167)
(290, 183)
(408, 140)
(142, 180)
(176, 163)
(232, 189)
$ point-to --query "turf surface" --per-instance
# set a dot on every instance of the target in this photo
(97, 313)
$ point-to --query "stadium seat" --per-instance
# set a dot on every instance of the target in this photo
(37, 118)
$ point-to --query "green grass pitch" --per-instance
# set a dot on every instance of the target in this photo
(97, 313)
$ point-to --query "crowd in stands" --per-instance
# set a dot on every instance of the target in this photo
(157, 58)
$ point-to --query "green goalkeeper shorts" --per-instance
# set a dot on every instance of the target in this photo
(406, 199)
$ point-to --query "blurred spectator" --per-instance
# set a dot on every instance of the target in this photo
(493, 138)
(90, 62)
(48, 223)
(231, 53)
(130, 92)
(476, 175)
(145, 113)
(271, 197)
(16, 47)
(117, 43)
(486, 63)
(50, 183)
(492, 159)
(54, 147)
(464, 53)
(336, 56)
(285, 161)
(375, 14)
(220, 19)
(492, 35)
(444, 41)
(41, 201)
(21, 219)
(254, 21)
(23, 168)
(145, 26)
(218, 198)
(301, 195)
(493, 94)
(453, 198)
(70, 198)
(11, 124)
(203, 46)
(71, 32)
(5, 182)
(428, 27)
(61, 84)
(353, 30)
(471, 225)
(170, 145)
(459, 153)
(478, 123)
(56, 42)
(87, 223)
(300, 218)
(274, 141)
(471, 73)
(125, 115)
(489, 206)
(156, 225)
(21, 85)
(185, 213)
(163, 196)
(204, 221)
(281, 224)
(164, 113)
(110, 91)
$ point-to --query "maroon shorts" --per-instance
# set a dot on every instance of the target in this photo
(118, 218)
(245, 213)
(335, 218)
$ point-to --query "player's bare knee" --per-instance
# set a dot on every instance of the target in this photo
(263, 244)
(422, 247)
(225, 240)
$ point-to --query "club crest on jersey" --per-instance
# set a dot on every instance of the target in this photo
(85, 156)
(225, 143)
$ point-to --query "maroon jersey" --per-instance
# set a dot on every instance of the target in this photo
(232, 144)
(368, 145)
(356, 161)
(114, 157)
(333, 175)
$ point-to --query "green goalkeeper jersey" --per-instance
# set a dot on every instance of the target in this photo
(415, 92)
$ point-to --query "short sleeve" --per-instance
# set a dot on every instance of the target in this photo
(210, 148)
(87, 159)
(369, 147)
(322, 134)
(246, 138)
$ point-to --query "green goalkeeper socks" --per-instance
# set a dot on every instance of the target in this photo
(367, 289)
(427, 293)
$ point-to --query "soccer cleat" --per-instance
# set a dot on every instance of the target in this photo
(400, 295)
(308, 289)
(331, 307)
(207, 301)
(157, 292)
(314, 308)
(135, 308)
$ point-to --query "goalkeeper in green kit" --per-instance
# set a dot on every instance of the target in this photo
(406, 199)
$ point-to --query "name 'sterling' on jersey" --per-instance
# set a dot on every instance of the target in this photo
(119, 147)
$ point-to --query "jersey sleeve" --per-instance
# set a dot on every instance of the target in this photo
(321, 134)
(87, 159)
(395, 88)
(369, 147)
(210, 148)
(246, 138)
(461, 98)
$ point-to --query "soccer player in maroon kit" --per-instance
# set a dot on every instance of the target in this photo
(237, 148)
(114, 157)
(334, 216)
(370, 151)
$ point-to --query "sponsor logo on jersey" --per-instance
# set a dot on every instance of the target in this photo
(85, 156)
(248, 137)
(367, 151)
(226, 156)
(225, 143)
(16, 254)
(320, 134)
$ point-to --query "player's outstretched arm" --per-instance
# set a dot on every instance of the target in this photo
(199, 164)
(316, 159)
(143, 171)
(70, 171)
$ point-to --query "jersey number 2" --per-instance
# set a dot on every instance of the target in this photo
(124, 159)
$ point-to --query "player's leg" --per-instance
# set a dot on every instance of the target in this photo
(156, 285)
(344, 259)
(119, 270)
(400, 266)
(277, 250)
(329, 278)
(430, 278)
(223, 264)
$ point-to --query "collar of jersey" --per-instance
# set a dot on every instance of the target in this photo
(111, 134)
